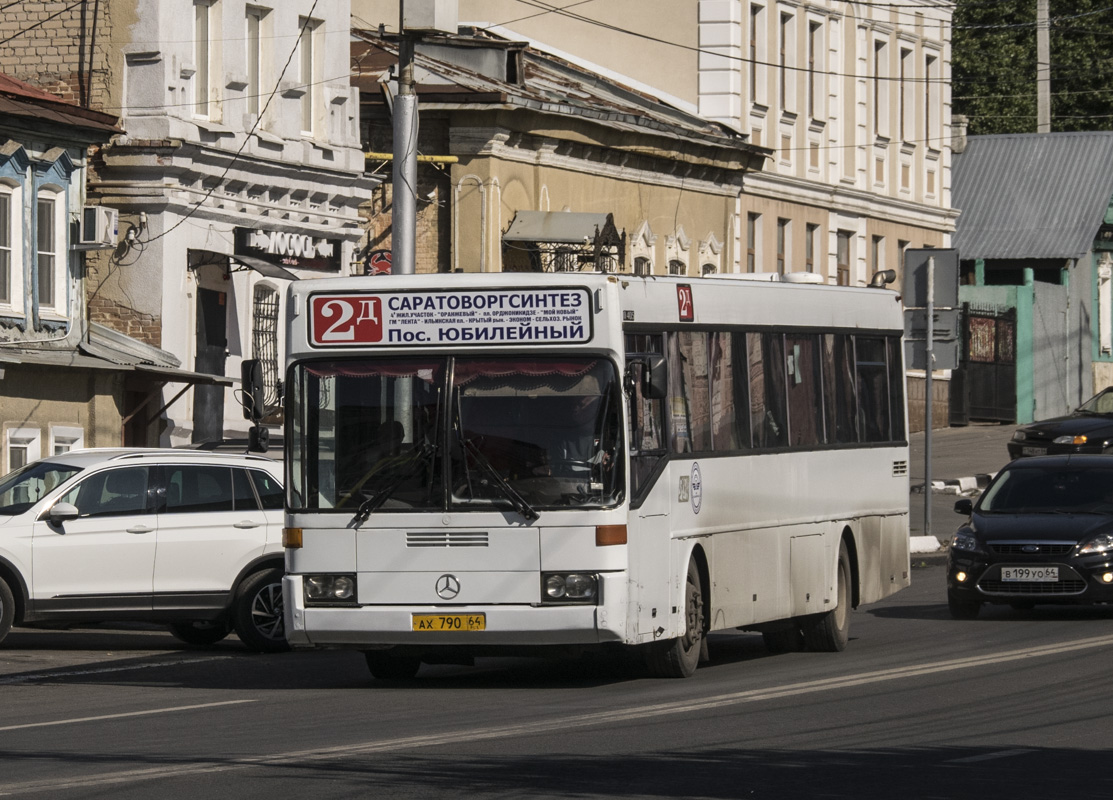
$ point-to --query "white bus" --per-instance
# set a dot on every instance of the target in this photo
(506, 463)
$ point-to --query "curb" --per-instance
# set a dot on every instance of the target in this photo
(967, 486)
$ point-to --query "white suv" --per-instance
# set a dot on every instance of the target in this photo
(182, 537)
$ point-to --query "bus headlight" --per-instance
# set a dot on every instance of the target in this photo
(329, 589)
(569, 587)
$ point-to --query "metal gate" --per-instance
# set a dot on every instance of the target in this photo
(989, 363)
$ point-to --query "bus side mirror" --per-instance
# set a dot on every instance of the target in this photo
(654, 383)
(251, 378)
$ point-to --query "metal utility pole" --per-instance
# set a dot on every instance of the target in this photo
(404, 224)
(1043, 69)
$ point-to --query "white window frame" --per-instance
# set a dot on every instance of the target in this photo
(906, 108)
(202, 57)
(308, 59)
(933, 104)
(817, 69)
(879, 67)
(786, 61)
(257, 23)
(14, 248)
(66, 436)
(56, 198)
(757, 53)
(28, 439)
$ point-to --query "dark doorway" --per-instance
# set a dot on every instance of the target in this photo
(212, 352)
(986, 381)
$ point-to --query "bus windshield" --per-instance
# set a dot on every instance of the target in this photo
(372, 435)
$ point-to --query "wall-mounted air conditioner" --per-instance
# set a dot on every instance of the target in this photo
(99, 227)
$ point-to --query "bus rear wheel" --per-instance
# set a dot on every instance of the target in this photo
(829, 632)
(388, 667)
(679, 657)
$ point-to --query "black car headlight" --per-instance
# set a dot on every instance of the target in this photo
(1075, 440)
(1020, 436)
(329, 589)
(569, 587)
(964, 542)
(1097, 545)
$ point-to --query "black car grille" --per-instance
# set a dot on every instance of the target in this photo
(1045, 548)
(1028, 589)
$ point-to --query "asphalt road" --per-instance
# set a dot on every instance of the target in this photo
(1014, 704)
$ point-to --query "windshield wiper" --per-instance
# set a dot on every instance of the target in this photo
(407, 469)
(520, 504)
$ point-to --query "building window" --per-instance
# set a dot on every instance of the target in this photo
(905, 104)
(757, 51)
(709, 269)
(753, 223)
(642, 266)
(782, 245)
(22, 446)
(815, 70)
(810, 234)
(202, 52)
(784, 55)
(678, 268)
(877, 254)
(843, 258)
(264, 341)
(880, 89)
(307, 61)
(931, 98)
(64, 438)
(255, 70)
(5, 247)
(49, 250)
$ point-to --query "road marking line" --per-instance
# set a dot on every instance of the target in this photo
(989, 756)
(122, 715)
(62, 673)
(289, 759)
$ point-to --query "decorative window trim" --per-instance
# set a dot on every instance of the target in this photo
(68, 436)
(28, 438)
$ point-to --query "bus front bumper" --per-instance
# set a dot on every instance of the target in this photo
(503, 625)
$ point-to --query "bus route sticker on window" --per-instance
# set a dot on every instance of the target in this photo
(685, 305)
(556, 315)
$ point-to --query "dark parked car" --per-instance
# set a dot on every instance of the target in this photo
(1089, 429)
(1042, 532)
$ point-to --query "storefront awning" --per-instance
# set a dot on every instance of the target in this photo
(265, 268)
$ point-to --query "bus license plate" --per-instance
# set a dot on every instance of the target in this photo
(1027, 574)
(450, 622)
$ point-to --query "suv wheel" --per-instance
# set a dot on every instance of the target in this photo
(7, 609)
(201, 632)
(258, 612)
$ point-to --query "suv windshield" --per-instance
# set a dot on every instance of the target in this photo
(455, 433)
(26, 486)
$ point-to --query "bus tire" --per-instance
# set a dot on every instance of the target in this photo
(200, 632)
(388, 667)
(830, 631)
(679, 657)
(257, 612)
(7, 609)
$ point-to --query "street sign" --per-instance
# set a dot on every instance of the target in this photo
(945, 324)
(914, 285)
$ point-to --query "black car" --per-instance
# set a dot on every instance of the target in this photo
(1042, 532)
(1089, 429)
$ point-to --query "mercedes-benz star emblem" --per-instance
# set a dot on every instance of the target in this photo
(447, 587)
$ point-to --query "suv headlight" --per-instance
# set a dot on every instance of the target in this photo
(964, 541)
(329, 589)
(1099, 544)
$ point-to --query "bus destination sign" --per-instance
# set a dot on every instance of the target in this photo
(557, 315)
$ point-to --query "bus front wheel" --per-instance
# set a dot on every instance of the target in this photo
(679, 657)
(829, 632)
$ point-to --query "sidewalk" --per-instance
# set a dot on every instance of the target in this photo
(962, 461)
